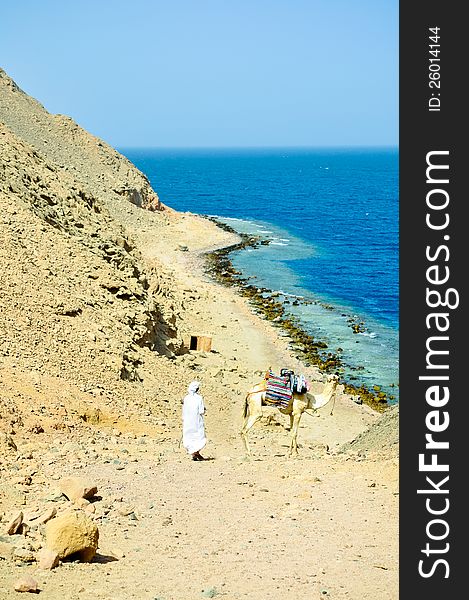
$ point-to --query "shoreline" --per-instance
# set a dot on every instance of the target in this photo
(264, 302)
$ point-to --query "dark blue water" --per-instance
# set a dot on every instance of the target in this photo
(332, 218)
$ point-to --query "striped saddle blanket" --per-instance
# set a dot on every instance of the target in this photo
(278, 392)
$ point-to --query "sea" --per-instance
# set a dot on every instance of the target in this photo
(331, 216)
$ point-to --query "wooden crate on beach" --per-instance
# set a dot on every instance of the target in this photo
(200, 342)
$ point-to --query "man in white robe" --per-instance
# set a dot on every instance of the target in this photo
(193, 431)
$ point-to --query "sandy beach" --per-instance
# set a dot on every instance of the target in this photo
(93, 369)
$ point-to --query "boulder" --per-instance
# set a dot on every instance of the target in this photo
(125, 510)
(47, 559)
(47, 516)
(72, 533)
(14, 523)
(82, 503)
(75, 487)
(26, 584)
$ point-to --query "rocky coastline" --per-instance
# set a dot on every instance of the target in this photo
(266, 303)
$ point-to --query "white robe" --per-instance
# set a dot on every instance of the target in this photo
(193, 432)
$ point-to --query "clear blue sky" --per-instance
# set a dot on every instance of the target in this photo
(188, 73)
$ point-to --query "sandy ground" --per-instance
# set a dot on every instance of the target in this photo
(322, 525)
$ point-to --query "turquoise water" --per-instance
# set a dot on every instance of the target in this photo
(331, 217)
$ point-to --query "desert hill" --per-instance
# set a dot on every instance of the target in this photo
(79, 301)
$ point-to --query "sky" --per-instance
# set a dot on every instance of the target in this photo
(211, 73)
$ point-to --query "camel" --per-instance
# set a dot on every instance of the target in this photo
(255, 400)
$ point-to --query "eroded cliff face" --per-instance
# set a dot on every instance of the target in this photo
(101, 170)
(75, 297)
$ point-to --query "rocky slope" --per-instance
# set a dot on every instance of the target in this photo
(85, 318)
(96, 166)
(382, 438)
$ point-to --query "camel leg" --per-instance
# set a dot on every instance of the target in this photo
(248, 423)
(296, 417)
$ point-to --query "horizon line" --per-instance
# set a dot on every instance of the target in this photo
(303, 147)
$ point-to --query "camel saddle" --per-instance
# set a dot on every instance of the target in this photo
(278, 390)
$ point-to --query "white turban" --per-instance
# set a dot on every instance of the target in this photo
(194, 387)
